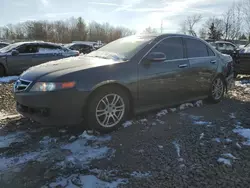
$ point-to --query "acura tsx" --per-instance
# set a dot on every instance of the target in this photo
(129, 75)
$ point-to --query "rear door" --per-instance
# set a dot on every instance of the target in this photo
(46, 53)
(203, 65)
(164, 82)
(22, 61)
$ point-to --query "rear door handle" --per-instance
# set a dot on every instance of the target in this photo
(182, 65)
(213, 61)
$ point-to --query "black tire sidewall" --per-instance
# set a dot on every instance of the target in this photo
(1, 71)
(212, 99)
(94, 100)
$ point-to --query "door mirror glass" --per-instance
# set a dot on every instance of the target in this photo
(14, 52)
(156, 56)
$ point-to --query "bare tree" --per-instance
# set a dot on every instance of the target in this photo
(149, 30)
(188, 26)
(232, 22)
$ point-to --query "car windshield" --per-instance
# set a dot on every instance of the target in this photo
(123, 49)
(67, 45)
(9, 47)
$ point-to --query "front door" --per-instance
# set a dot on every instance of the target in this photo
(203, 65)
(19, 63)
(164, 82)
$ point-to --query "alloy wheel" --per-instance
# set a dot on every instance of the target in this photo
(217, 88)
(110, 110)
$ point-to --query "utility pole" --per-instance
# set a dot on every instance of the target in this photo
(161, 25)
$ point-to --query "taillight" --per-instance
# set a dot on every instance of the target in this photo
(228, 68)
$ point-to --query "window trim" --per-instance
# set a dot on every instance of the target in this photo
(184, 58)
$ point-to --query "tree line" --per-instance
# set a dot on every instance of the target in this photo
(72, 29)
(233, 24)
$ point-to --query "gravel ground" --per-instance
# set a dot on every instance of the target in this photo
(194, 147)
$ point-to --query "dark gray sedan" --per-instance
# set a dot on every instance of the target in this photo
(17, 57)
(130, 75)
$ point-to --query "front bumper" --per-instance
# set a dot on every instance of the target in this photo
(63, 107)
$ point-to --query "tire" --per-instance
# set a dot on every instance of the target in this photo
(2, 71)
(97, 120)
(219, 84)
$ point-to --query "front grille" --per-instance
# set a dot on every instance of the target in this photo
(21, 85)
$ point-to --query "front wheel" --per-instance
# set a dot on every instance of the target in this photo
(107, 109)
(217, 90)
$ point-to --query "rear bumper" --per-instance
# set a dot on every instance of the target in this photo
(52, 108)
(230, 81)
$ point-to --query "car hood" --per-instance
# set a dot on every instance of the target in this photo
(70, 64)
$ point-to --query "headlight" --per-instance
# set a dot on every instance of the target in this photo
(52, 86)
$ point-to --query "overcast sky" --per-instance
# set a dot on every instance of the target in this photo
(135, 14)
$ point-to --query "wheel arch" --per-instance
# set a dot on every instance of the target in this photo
(113, 83)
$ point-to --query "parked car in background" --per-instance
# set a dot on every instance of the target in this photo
(225, 47)
(242, 65)
(17, 57)
(129, 75)
(3, 44)
(84, 48)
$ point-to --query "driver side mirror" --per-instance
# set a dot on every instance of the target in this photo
(14, 52)
(156, 56)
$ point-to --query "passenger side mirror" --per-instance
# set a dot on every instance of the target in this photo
(14, 52)
(156, 56)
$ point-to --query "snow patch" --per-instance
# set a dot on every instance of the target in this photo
(140, 174)
(88, 181)
(216, 140)
(229, 155)
(196, 118)
(177, 147)
(6, 163)
(198, 103)
(5, 141)
(8, 79)
(160, 146)
(202, 123)
(82, 152)
(242, 83)
(232, 115)
(127, 124)
(143, 120)
(224, 161)
(244, 133)
(173, 109)
(201, 136)
(162, 113)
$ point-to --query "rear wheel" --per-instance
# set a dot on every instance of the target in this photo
(2, 71)
(107, 109)
(217, 90)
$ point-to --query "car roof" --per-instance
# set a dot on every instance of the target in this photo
(36, 42)
(224, 42)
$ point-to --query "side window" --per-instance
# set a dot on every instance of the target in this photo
(210, 52)
(171, 47)
(48, 49)
(229, 47)
(221, 46)
(75, 47)
(27, 49)
(196, 48)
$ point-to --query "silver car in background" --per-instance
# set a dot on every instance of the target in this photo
(18, 57)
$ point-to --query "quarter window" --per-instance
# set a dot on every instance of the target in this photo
(196, 48)
(171, 47)
(210, 52)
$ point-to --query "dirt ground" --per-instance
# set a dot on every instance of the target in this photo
(189, 146)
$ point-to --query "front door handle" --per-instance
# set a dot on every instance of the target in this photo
(213, 61)
(182, 65)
